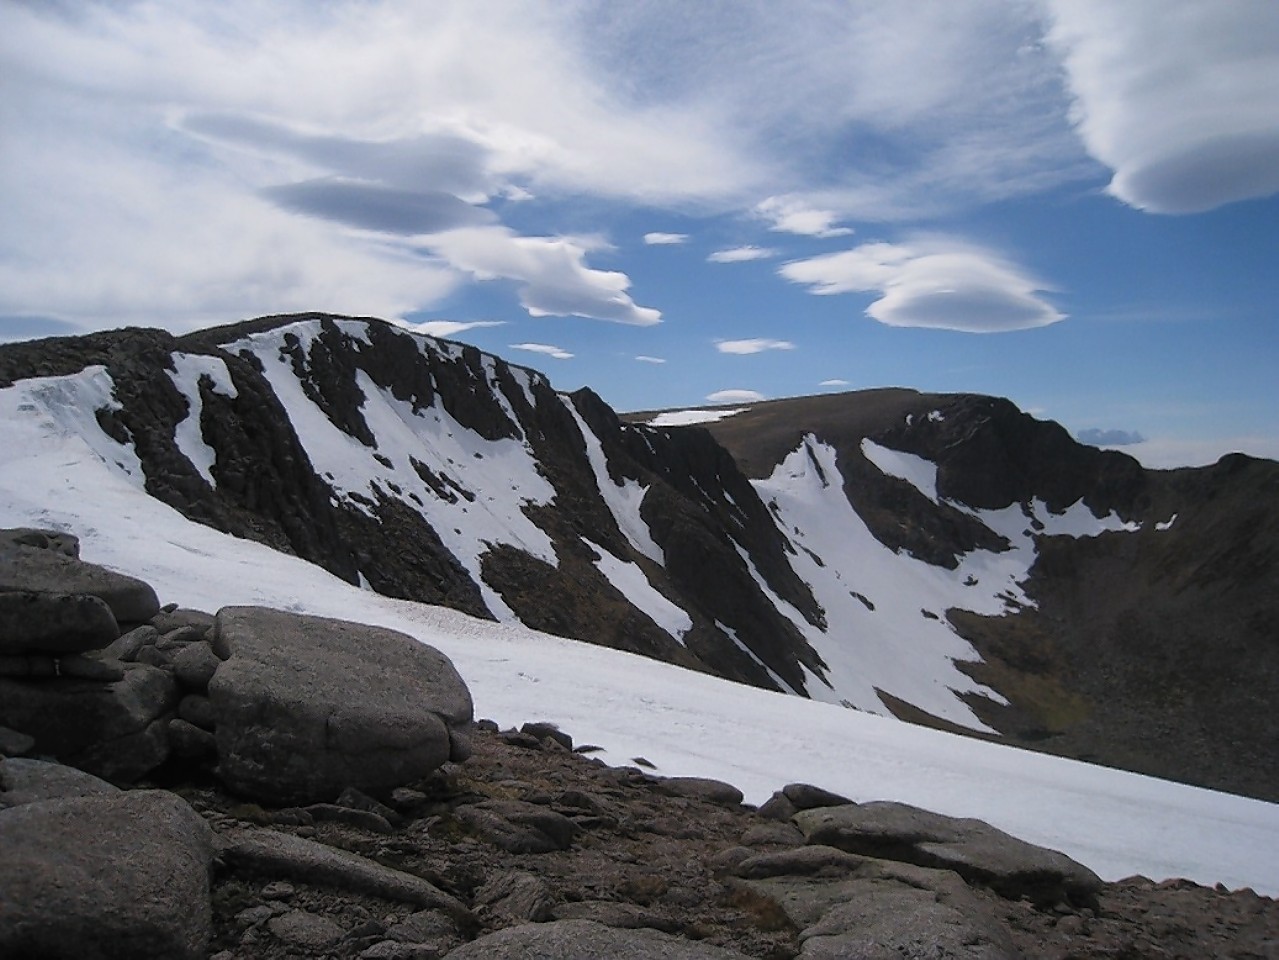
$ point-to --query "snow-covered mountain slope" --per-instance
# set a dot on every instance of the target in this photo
(884, 551)
(55, 473)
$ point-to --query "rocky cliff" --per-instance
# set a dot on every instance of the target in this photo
(947, 559)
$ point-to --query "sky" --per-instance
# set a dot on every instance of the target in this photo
(1070, 203)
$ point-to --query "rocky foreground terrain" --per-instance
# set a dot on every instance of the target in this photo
(253, 783)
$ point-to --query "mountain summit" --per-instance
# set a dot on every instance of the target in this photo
(946, 559)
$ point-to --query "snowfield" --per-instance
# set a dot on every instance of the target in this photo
(58, 470)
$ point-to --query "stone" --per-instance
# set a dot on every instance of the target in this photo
(516, 896)
(585, 940)
(117, 731)
(972, 848)
(701, 788)
(611, 913)
(517, 826)
(54, 623)
(425, 926)
(30, 781)
(778, 807)
(805, 796)
(66, 544)
(14, 743)
(116, 875)
(360, 819)
(33, 569)
(300, 859)
(308, 931)
(168, 620)
(544, 730)
(90, 668)
(198, 710)
(195, 665)
(769, 833)
(306, 706)
(191, 742)
(358, 800)
(128, 645)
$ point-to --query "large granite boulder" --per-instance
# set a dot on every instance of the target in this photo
(307, 706)
(116, 731)
(103, 877)
(972, 848)
(35, 622)
(30, 781)
(40, 570)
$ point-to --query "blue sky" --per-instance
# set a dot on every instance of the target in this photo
(1071, 203)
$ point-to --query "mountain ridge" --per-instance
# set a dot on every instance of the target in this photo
(432, 471)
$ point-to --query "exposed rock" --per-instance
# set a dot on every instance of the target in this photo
(29, 781)
(114, 730)
(116, 875)
(805, 796)
(974, 849)
(281, 854)
(364, 819)
(128, 645)
(516, 896)
(195, 665)
(198, 710)
(90, 668)
(585, 940)
(425, 926)
(548, 731)
(623, 916)
(191, 742)
(14, 743)
(304, 930)
(701, 788)
(519, 827)
(772, 833)
(46, 571)
(53, 622)
(64, 543)
(306, 706)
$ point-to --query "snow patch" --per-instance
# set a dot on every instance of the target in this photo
(188, 369)
(631, 582)
(915, 470)
(1166, 524)
(685, 418)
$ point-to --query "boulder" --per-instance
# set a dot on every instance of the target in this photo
(98, 877)
(306, 706)
(972, 848)
(64, 543)
(15, 743)
(585, 940)
(47, 571)
(54, 623)
(701, 788)
(518, 826)
(29, 781)
(515, 896)
(113, 730)
(195, 665)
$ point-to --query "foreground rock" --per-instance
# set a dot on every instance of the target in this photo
(307, 706)
(585, 940)
(975, 850)
(117, 875)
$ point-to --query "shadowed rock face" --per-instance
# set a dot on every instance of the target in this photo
(1151, 651)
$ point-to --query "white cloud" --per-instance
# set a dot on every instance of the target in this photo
(450, 328)
(665, 239)
(754, 345)
(735, 396)
(1097, 437)
(645, 359)
(835, 382)
(741, 254)
(1163, 453)
(547, 349)
(793, 215)
(934, 282)
(551, 272)
(1180, 103)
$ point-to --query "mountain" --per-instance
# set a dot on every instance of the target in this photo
(945, 559)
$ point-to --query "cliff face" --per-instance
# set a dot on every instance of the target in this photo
(947, 559)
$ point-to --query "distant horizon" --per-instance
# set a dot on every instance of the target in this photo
(1073, 204)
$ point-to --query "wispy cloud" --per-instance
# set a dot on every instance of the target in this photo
(1181, 107)
(935, 282)
(450, 328)
(835, 382)
(665, 239)
(735, 396)
(557, 353)
(793, 215)
(645, 359)
(742, 254)
(754, 345)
